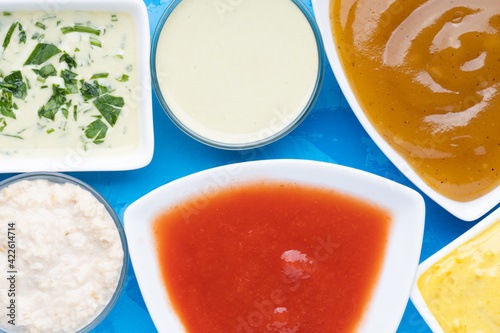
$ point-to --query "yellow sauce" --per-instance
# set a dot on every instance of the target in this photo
(427, 75)
(462, 290)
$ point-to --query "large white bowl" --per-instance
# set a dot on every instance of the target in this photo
(75, 160)
(467, 211)
(402, 254)
(416, 295)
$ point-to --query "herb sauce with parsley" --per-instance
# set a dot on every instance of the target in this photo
(67, 81)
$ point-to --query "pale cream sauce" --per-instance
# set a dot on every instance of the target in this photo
(237, 71)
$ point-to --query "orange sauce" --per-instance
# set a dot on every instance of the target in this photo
(427, 75)
(271, 257)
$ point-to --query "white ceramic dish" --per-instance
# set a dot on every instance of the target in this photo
(74, 159)
(416, 296)
(403, 250)
(467, 211)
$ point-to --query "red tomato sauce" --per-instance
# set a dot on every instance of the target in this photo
(269, 257)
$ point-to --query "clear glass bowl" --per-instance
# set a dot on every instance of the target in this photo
(60, 178)
(259, 142)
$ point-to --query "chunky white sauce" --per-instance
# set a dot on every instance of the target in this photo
(68, 257)
(116, 56)
(237, 71)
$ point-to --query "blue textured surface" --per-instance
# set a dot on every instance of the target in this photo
(331, 133)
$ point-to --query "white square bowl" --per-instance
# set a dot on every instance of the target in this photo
(392, 289)
(467, 211)
(74, 159)
(416, 295)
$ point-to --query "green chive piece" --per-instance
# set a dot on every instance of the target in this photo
(95, 42)
(79, 28)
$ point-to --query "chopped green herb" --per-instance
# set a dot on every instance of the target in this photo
(50, 130)
(22, 34)
(3, 124)
(129, 68)
(118, 56)
(123, 78)
(13, 136)
(70, 81)
(6, 104)
(48, 17)
(42, 53)
(75, 113)
(58, 22)
(110, 107)
(46, 71)
(97, 130)
(57, 100)
(95, 42)
(14, 83)
(6, 41)
(35, 35)
(114, 18)
(41, 25)
(99, 76)
(65, 112)
(40, 79)
(77, 50)
(68, 60)
(79, 28)
(90, 91)
(44, 87)
(7, 13)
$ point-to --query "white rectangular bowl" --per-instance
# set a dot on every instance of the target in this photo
(392, 290)
(466, 211)
(416, 296)
(73, 159)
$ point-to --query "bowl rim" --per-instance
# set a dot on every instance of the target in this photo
(408, 222)
(416, 295)
(60, 178)
(74, 159)
(253, 144)
(467, 211)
